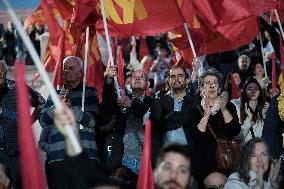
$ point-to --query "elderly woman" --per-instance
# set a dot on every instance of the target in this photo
(214, 110)
(253, 171)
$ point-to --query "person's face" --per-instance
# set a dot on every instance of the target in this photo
(173, 172)
(259, 69)
(237, 78)
(2, 74)
(162, 53)
(210, 87)
(259, 158)
(177, 79)
(215, 182)
(243, 64)
(252, 91)
(72, 71)
(138, 80)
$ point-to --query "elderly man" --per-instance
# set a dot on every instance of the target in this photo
(52, 142)
(177, 105)
(243, 67)
(173, 168)
(128, 135)
(9, 151)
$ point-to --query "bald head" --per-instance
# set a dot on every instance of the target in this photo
(215, 179)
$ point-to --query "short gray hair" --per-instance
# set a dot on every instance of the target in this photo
(3, 63)
(245, 57)
(210, 72)
(76, 58)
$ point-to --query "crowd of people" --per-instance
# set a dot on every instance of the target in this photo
(192, 109)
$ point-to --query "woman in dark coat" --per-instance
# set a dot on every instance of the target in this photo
(214, 110)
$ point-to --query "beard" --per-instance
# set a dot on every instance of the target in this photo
(177, 86)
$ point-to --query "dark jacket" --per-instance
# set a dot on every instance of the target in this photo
(273, 129)
(137, 109)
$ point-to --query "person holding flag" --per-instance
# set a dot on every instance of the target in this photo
(71, 93)
(128, 136)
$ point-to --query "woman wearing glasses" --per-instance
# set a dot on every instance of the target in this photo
(216, 112)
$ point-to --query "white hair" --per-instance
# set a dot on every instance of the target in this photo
(77, 59)
(245, 57)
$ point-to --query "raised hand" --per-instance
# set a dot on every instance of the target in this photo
(206, 108)
(111, 71)
(247, 111)
(265, 108)
(274, 173)
(224, 100)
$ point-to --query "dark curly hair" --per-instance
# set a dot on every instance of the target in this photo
(257, 114)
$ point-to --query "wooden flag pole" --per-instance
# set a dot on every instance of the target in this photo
(108, 46)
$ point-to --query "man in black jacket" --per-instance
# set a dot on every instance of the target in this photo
(128, 135)
(177, 105)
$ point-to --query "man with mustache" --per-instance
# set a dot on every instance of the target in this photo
(173, 168)
(177, 105)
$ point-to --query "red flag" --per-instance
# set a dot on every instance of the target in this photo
(53, 28)
(145, 177)
(84, 15)
(220, 26)
(31, 170)
(235, 88)
(58, 72)
(95, 72)
(120, 66)
(143, 51)
(65, 8)
(140, 17)
(36, 17)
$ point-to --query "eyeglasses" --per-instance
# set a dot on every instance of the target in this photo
(252, 89)
(209, 83)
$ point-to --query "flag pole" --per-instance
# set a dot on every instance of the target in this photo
(262, 53)
(108, 46)
(45, 77)
(189, 39)
(85, 69)
(279, 23)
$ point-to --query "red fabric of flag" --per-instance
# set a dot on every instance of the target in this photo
(140, 17)
(84, 15)
(31, 170)
(58, 72)
(145, 176)
(53, 28)
(65, 8)
(143, 50)
(120, 66)
(95, 72)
